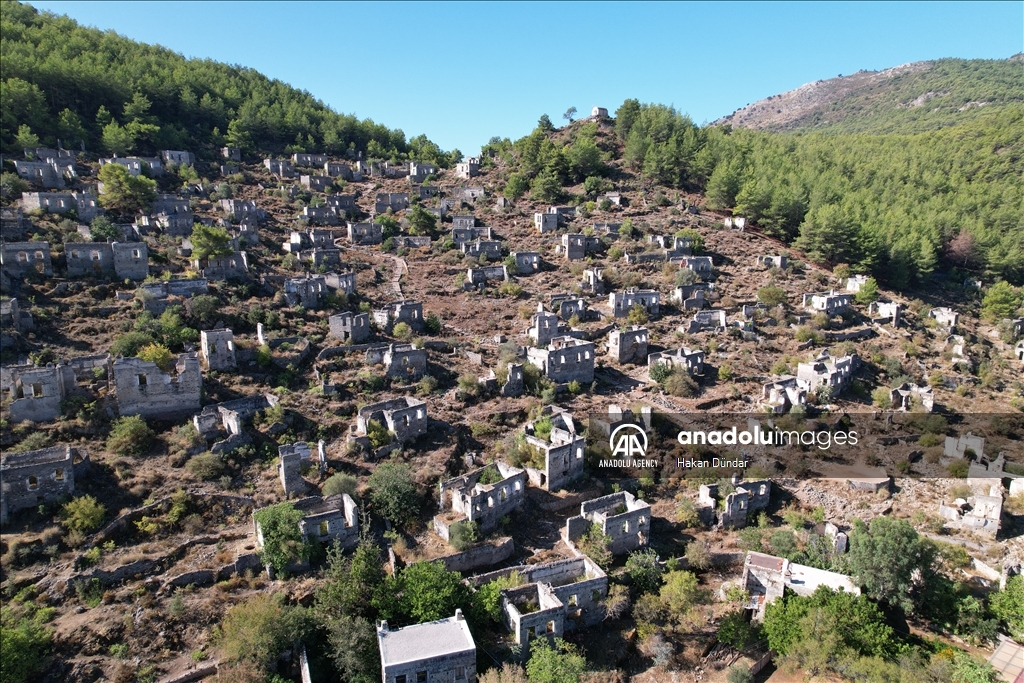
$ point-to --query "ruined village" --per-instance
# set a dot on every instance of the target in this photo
(294, 337)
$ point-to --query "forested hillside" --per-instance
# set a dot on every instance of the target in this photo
(900, 206)
(61, 80)
(910, 98)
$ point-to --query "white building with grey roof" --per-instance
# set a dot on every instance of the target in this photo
(434, 652)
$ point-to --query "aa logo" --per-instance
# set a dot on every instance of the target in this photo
(628, 441)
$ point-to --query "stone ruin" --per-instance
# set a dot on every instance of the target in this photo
(406, 417)
(689, 360)
(401, 361)
(329, 520)
(408, 312)
(545, 326)
(350, 327)
(623, 302)
(593, 281)
(365, 233)
(881, 311)
(766, 577)
(19, 259)
(628, 345)
(565, 359)
(766, 262)
(909, 396)
(527, 262)
(292, 459)
(224, 423)
(144, 389)
(978, 513)
(217, 350)
(826, 371)
(483, 496)
(829, 303)
(625, 519)
(309, 291)
(33, 478)
(781, 394)
(945, 317)
(561, 452)
(555, 597)
(712, 319)
(734, 509)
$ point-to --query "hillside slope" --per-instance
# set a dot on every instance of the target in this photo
(83, 85)
(909, 98)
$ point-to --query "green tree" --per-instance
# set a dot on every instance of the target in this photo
(696, 239)
(283, 543)
(637, 315)
(123, 192)
(259, 629)
(84, 514)
(130, 436)
(868, 292)
(464, 534)
(595, 545)
(885, 558)
(680, 594)
(102, 230)
(1008, 606)
(159, 354)
(771, 295)
(625, 116)
(25, 138)
(117, 139)
(423, 591)
(24, 642)
(340, 483)
(422, 222)
(353, 648)
(544, 124)
(643, 570)
(129, 343)
(393, 492)
(560, 663)
(1002, 300)
(209, 242)
(350, 584)
(828, 234)
(546, 187)
(515, 187)
(70, 128)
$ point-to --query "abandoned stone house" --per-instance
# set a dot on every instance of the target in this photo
(441, 650)
(408, 312)
(172, 214)
(350, 327)
(623, 302)
(136, 166)
(675, 247)
(426, 191)
(624, 518)
(156, 296)
(765, 578)
(12, 317)
(316, 183)
(125, 260)
(606, 229)
(224, 423)
(418, 172)
(771, 261)
(309, 160)
(545, 222)
(699, 264)
(217, 350)
(282, 168)
(827, 302)
(23, 258)
(47, 174)
(599, 113)
(628, 345)
(241, 209)
(13, 223)
(396, 201)
(293, 458)
(309, 291)
(48, 154)
(84, 204)
(400, 361)
(710, 319)
(471, 194)
(734, 509)
(30, 479)
(144, 389)
(337, 169)
(576, 246)
(341, 203)
(483, 496)
(478, 277)
(231, 153)
(35, 393)
(730, 223)
(566, 306)
(470, 168)
(825, 371)
(177, 157)
(882, 311)
(556, 597)
(782, 394)
(690, 297)
(344, 282)
(854, 284)
(945, 317)
(691, 361)
(978, 513)
(545, 326)
(560, 452)
(527, 262)
(909, 396)
(593, 281)
(406, 417)
(327, 520)
(234, 266)
(365, 233)
(1019, 351)
(565, 359)
(490, 249)
(958, 447)
(465, 223)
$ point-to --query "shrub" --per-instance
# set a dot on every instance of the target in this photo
(771, 295)
(32, 442)
(340, 483)
(377, 433)
(129, 344)
(256, 631)
(463, 534)
(159, 354)
(881, 398)
(130, 436)
(402, 331)
(681, 385)
(697, 555)
(83, 515)
(283, 543)
(205, 466)
(637, 315)
(394, 493)
(432, 323)
(725, 372)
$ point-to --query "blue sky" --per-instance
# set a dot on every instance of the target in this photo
(463, 72)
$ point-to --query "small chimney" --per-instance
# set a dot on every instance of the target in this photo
(458, 615)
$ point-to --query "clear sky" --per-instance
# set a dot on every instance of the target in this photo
(462, 72)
